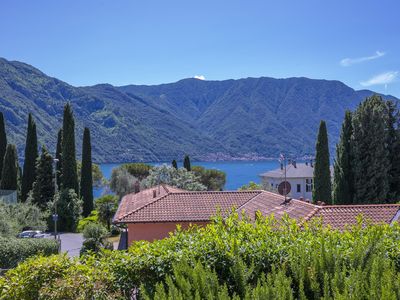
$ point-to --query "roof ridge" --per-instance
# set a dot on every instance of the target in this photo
(141, 207)
(238, 209)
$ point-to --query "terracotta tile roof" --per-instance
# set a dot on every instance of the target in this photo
(340, 216)
(178, 205)
(270, 203)
(174, 205)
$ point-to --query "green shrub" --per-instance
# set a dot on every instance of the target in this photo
(266, 259)
(92, 218)
(14, 251)
(95, 238)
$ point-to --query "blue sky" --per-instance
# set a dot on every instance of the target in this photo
(150, 42)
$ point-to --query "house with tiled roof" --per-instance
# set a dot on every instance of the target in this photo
(299, 178)
(153, 213)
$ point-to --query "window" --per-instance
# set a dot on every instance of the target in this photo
(299, 188)
(309, 185)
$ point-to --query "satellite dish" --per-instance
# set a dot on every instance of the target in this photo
(284, 188)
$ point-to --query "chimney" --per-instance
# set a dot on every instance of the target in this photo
(301, 199)
(294, 164)
(306, 163)
(154, 193)
(281, 166)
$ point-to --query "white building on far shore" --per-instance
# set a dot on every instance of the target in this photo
(298, 175)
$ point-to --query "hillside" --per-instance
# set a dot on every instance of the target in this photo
(253, 117)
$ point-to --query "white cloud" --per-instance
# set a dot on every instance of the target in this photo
(384, 78)
(200, 77)
(346, 62)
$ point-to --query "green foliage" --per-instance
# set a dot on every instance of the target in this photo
(371, 162)
(43, 188)
(186, 163)
(251, 186)
(180, 178)
(174, 164)
(92, 218)
(95, 238)
(343, 173)
(69, 176)
(9, 174)
(213, 180)
(97, 174)
(322, 190)
(31, 154)
(106, 207)
(393, 147)
(3, 142)
(86, 174)
(234, 259)
(69, 208)
(138, 170)
(59, 157)
(122, 182)
(13, 250)
(15, 217)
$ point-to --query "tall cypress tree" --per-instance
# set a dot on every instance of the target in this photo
(174, 164)
(9, 174)
(393, 147)
(343, 174)
(86, 174)
(3, 141)
(59, 157)
(322, 190)
(31, 154)
(370, 156)
(69, 177)
(43, 188)
(186, 163)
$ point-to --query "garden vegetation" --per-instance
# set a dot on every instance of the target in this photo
(231, 258)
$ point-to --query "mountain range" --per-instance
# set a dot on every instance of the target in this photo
(251, 118)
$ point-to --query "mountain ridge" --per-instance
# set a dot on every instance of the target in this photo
(249, 118)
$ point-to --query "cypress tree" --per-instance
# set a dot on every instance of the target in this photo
(59, 157)
(175, 164)
(3, 141)
(393, 146)
(69, 177)
(9, 174)
(370, 156)
(86, 174)
(343, 175)
(322, 190)
(31, 154)
(186, 163)
(43, 188)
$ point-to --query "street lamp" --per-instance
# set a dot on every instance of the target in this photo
(55, 215)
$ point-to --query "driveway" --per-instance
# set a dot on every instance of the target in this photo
(71, 243)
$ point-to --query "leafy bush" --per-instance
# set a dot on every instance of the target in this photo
(138, 170)
(15, 217)
(122, 182)
(69, 209)
(92, 218)
(213, 179)
(107, 207)
(180, 178)
(266, 259)
(95, 238)
(14, 251)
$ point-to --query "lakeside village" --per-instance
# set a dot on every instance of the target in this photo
(318, 229)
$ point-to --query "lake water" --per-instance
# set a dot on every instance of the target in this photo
(238, 173)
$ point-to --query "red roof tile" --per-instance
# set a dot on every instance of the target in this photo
(174, 205)
(340, 216)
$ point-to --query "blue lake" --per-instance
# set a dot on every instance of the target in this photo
(238, 173)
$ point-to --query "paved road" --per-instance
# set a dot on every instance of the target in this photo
(71, 243)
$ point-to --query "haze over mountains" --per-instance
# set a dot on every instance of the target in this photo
(229, 119)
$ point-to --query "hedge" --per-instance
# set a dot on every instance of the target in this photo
(13, 250)
(240, 259)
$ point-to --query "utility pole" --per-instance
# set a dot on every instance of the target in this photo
(55, 215)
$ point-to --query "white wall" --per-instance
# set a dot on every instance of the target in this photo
(267, 181)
